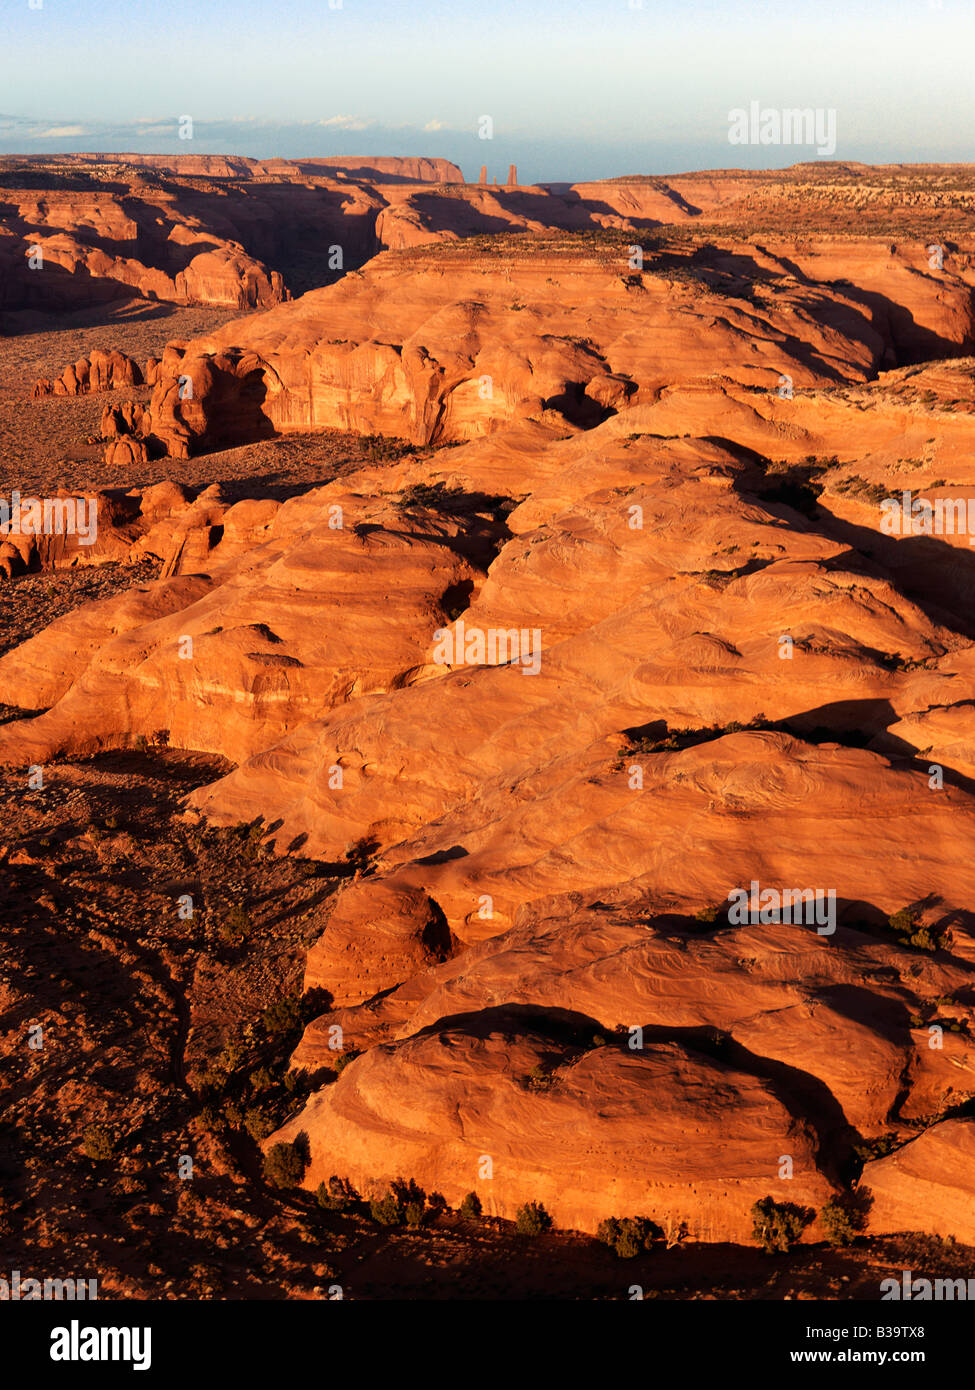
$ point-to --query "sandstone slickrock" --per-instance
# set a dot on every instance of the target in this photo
(444, 343)
(927, 1184)
(621, 634)
(663, 1132)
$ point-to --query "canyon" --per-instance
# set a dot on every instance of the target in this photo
(651, 421)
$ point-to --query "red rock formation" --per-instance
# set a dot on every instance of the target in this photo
(101, 371)
(735, 678)
(665, 1131)
(927, 1184)
(407, 348)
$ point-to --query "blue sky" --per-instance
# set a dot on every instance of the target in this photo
(576, 88)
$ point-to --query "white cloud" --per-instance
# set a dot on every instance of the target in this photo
(435, 125)
(58, 132)
(346, 123)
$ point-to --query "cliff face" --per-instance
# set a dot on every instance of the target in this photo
(247, 234)
(86, 229)
(444, 344)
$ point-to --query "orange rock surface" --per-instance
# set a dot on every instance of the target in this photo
(621, 634)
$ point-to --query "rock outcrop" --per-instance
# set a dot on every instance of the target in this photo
(437, 346)
(927, 1184)
(639, 748)
(103, 370)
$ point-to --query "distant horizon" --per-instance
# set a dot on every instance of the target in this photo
(193, 150)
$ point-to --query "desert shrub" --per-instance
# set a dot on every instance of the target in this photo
(359, 854)
(408, 1190)
(880, 1147)
(230, 1056)
(538, 1079)
(840, 1221)
(627, 1235)
(234, 1115)
(532, 1220)
(258, 1125)
(919, 1250)
(284, 1165)
(386, 1211)
(909, 933)
(343, 1059)
(676, 740)
(608, 1230)
(777, 1226)
(99, 1143)
(437, 1201)
(413, 1213)
(261, 1080)
(437, 496)
(236, 924)
(283, 1016)
(470, 1208)
(337, 1194)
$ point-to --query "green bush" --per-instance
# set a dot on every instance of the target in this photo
(257, 1124)
(840, 1222)
(777, 1226)
(627, 1235)
(337, 1194)
(236, 925)
(532, 1220)
(905, 924)
(408, 1191)
(284, 1165)
(261, 1080)
(539, 1079)
(868, 1149)
(282, 1017)
(470, 1208)
(234, 1116)
(386, 1211)
(413, 1213)
(230, 1055)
